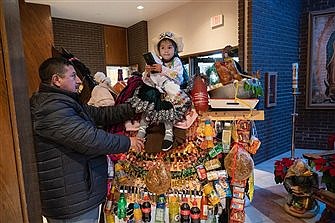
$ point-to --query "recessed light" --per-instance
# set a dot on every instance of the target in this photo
(140, 7)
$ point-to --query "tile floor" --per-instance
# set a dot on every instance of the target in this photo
(269, 197)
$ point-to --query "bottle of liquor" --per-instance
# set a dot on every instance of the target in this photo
(146, 209)
(195, 213)
(185, 211)
(160, 209)
(122, 206)
(119, 75)
(174, 210)
(204, 207)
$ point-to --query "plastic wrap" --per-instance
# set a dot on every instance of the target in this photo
(238, 163)
(158, 178)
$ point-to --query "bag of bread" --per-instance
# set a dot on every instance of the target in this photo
(238, 163)
(158, 178)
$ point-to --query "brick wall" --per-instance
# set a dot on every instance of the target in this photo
(273, 43)
(137, 43)
(83, 39)
(313, 126)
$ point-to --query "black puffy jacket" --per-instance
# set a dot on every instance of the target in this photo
(70, 150)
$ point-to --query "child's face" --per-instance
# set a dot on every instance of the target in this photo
(166, 49)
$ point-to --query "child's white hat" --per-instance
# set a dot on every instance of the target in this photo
(168, 35)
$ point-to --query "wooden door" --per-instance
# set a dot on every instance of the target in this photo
(116, 47)
(19, 193)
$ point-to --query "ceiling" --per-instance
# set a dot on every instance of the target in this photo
(110, 12)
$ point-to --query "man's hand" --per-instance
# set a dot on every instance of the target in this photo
(136, 144)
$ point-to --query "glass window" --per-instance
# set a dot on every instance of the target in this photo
(204, 63)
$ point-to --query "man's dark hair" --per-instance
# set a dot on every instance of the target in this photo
(51, 66)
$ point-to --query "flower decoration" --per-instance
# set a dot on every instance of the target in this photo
(281, 167)
(326, 165)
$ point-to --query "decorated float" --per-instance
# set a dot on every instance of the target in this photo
(208, 174)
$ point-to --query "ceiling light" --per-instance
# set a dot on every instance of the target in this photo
(140, 7)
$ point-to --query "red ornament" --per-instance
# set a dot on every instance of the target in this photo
(199, 95)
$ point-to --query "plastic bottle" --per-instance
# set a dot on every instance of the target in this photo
(185, 211)
(211, 216)
(160, 209)
(209, 133)
(109, 201)
(226, 137)
(146, 209)
(204, 207)
(137, 213)
(122, 207)
(195, 213)
(174, 210)
(110, 218)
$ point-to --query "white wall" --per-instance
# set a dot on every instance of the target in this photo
(192, 22)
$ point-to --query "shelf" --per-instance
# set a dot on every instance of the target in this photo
(235, 115)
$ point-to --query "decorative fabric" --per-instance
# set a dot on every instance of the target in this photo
(132, 84)
(157, 108)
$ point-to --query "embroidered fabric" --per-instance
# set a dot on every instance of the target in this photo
(160, 109)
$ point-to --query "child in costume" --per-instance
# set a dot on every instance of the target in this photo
(161, 98)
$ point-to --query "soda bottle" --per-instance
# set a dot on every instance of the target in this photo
(195, 212)
(204, 207)
(109, 201)
(211, 217)
(174, 210)
(160, 209)
(122, 207)
(185, 211)
(137, 213)
(146, 209)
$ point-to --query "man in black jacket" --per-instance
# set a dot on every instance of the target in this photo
(70, 149)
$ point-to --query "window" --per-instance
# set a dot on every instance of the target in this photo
(204, 62)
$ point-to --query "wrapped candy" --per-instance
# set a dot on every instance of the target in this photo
(158, 178)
